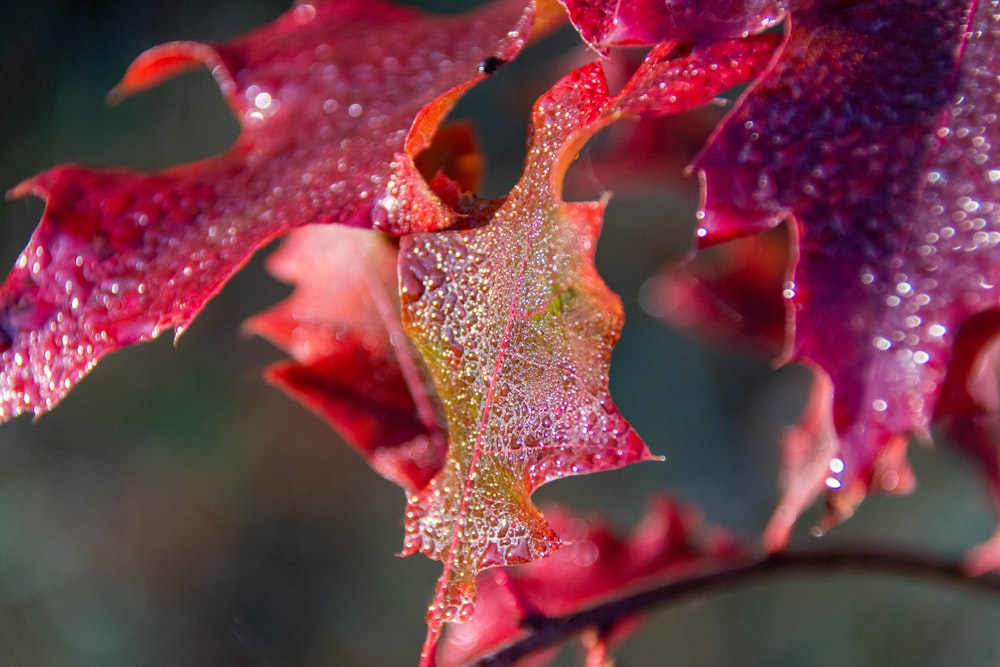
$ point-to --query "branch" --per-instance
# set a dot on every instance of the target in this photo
(549, 631)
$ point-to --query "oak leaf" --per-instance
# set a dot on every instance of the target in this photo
(325, 96)
(517, 328)
(873, 132)
(351, 361)
(968, 413)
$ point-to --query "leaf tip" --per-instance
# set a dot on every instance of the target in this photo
(984, 557)
(160, 63)
(28, 186)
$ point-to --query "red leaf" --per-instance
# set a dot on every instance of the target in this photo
(597, 564)
(652, 153)
(325, 95)
(353, 364)
(607, 23)
(874, 132)
(969, 403)
(517, 328)
(731, 294)
(968, 412)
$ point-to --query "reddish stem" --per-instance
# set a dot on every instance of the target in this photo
(547, 632)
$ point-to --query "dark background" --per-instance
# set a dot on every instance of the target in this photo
(176, 510)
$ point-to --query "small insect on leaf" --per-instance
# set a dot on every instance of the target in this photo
(490, 65)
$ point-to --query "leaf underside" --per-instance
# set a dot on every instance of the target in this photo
(352, 363)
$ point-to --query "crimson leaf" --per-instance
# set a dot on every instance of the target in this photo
(352, 363)
(598, 563)
(325, 95)
(874, 132)
(606, 23)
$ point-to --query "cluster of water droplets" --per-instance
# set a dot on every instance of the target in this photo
(517, 331)
(61, 316)
(897, 233)
(325, 105)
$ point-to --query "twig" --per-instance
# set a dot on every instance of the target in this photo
(546, 632)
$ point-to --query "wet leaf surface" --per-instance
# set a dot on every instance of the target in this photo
(874, 132)
(325, 95)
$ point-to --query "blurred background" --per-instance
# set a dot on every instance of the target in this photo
(176, 510)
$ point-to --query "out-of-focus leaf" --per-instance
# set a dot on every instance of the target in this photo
(731, 294)
(353, 364)
(968, 413)
(598, 564)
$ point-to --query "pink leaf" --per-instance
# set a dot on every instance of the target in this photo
(353, 365)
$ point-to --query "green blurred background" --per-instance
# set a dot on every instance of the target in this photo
(176, 510)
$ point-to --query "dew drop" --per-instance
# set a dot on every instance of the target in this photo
(412, 287)
(304, 13)
(262, 100)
